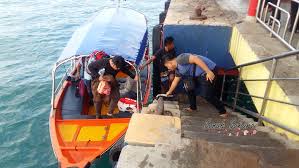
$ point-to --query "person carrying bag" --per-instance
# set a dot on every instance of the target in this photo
(198, 74)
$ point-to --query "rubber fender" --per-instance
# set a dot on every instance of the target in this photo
(114, 152)
(160, 107)
(156, 38)
(162, 17)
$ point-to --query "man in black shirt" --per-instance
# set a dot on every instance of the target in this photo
(158, 67)
(112, 66)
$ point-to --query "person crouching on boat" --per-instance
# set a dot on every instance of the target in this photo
(112, 66)
(198, 72)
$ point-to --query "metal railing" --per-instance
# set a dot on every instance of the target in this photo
(55, 88)
(264, 98)
(270, 22)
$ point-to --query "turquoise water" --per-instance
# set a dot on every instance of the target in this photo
(32, 35)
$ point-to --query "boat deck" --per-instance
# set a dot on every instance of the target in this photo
(80, 141)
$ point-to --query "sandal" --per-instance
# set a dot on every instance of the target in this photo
(110, 115)
(189, 109)
(225, 115)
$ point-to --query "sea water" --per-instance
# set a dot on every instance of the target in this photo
(33, 33)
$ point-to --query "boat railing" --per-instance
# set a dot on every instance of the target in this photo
(277, 20)
(265, 98)
(138, 88)
(55, 88)
(67, 71)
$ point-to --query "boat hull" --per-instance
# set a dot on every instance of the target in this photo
(77, 137)
(77, 143)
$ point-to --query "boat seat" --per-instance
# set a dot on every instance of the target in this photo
(78, 116)
(72, 105)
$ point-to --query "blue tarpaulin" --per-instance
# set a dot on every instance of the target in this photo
(117, 31)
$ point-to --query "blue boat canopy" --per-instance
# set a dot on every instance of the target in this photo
(117, 31)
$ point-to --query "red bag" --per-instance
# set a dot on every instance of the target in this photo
(97, 55)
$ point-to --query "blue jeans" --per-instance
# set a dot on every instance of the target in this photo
(207, 91)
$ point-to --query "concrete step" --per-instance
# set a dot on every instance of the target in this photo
(205, 124)
(213, 114)
(213, 117)
(200, 114)
(216, 123)
(240, 140)
(203, 154)
(148, 130)
(171, 102)
(226, 132)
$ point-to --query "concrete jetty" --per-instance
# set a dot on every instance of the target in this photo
(202, 139)
(227, 38)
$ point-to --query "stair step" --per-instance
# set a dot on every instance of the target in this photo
(171, 102)
(198, 117)
(240, 140)
(216, 123)
(225, 131)
(203, 115)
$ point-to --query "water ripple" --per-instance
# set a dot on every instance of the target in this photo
(32, 35)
